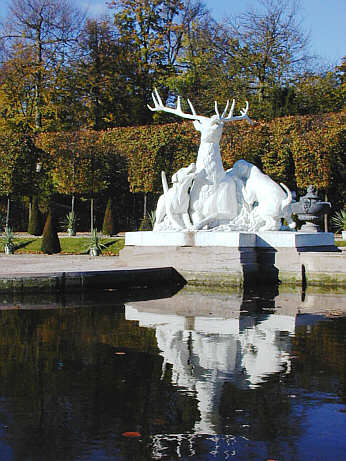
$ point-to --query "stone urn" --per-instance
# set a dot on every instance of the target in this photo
(71, 232)
(93, 251)
(9, 249)
(310, 209)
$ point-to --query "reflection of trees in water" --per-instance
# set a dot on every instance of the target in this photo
(264, 413)
(321, 356)
(275, 411)
(64, 387)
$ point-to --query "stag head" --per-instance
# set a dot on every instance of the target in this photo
(210, 127)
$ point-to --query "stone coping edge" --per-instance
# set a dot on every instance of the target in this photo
(79, 281)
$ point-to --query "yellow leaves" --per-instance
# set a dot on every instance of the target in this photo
(296, 150)
(314, 152)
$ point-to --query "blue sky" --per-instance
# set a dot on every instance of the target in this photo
(325, 20)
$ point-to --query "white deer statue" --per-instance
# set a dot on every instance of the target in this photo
(213, 197)
(210, 196)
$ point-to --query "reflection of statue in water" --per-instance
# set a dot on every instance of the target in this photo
(242, 198)
(244, 351)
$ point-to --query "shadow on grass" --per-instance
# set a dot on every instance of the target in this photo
(23, 244)
(108, 244)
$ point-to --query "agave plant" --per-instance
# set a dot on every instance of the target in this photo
(8, 240)
(95, 247)
(152, 218)
(70, 222)
(339, 221)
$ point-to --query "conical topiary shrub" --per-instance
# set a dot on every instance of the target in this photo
(35, 221)
(108, 227)
(50, 239)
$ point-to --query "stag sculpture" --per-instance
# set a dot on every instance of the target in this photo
(212, 197)
(209, 156)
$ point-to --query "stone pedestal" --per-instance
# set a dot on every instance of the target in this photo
(238, 258)
(222, 265)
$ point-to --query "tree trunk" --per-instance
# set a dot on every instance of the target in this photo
(7, 225)
(30, 208)
(38, 117)
(325, 216)
(72, 203)
(38, 82)
(145, 205)
(91, 214)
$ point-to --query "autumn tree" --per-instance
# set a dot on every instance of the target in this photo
(210, 67)
(318, 92)
(273, 47)
(151, 35)
(44, 30)
(77, 164)
(103, 71)
(16, 88)
(18, 160)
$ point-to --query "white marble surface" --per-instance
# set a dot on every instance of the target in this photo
(279, 239)
(269, 239)
(225, 239)
(150, 238)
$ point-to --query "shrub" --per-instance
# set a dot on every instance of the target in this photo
(50, 239)
(35, 221)
(108, 227)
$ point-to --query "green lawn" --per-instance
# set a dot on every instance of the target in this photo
(79, 245)
(69, 245)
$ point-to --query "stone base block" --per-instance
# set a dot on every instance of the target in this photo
(300, 240)
(270, 239)
(191, 239)
(237, 258)
(200, 263)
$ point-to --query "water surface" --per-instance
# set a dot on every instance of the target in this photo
(197, 375)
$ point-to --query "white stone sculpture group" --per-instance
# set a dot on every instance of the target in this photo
(205, 196)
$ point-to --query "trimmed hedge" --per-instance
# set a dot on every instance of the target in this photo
(296, 150)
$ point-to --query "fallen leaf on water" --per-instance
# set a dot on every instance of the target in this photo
(159, 421)
(120, 353)
(131, 434)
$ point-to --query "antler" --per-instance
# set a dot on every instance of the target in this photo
(158, 105)
(230, 117)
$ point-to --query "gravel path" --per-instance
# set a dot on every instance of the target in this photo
(21, 263)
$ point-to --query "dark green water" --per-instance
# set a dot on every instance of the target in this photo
(200, 376)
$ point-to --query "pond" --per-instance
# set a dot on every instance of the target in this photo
(158, 375)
